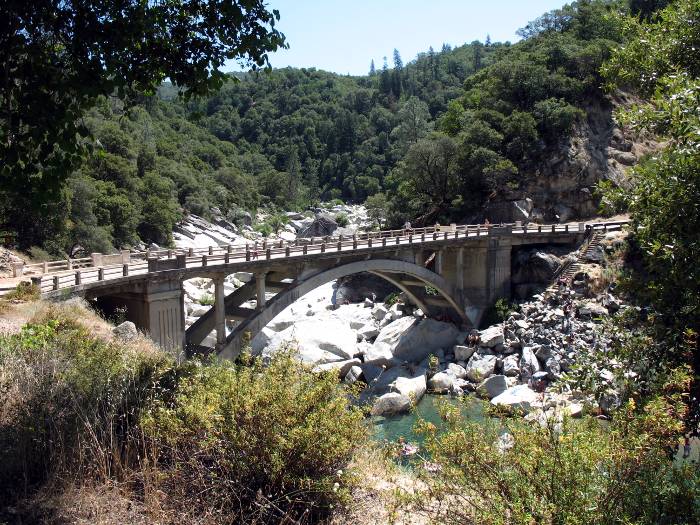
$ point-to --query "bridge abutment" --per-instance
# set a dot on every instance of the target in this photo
(157, 308)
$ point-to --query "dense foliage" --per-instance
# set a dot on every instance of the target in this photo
(289, 137)
(567, 472)
(663, 200)
(59, 57)
(262, 444)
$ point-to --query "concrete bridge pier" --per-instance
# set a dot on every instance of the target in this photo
(480, 275)
(156, 307)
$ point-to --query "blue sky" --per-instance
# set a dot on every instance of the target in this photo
(344, 36)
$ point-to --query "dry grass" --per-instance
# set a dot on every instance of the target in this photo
(377, 498)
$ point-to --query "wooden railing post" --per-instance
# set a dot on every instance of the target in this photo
(268, 253)
(125, 270)
(100, 274)
(305, 249)
(190, 252)
(69, 264)
(78, 278)
(287, 251)
(45, 268)
(204, 260)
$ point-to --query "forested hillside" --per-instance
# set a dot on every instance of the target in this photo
(434, 139)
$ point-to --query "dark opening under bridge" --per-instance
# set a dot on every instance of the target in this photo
(454, 271)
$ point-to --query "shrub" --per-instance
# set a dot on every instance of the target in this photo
(263, 443)
(39, 254)
(264, 228)
(24, 291)
(561, 473)
(342, 219)
(207, 299)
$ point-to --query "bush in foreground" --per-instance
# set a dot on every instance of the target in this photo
(584, 472)
(214, 443)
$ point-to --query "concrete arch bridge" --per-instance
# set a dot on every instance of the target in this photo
(455, 271)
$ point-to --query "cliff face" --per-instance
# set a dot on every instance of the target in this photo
(562, 187)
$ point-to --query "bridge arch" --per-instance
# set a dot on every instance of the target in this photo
(389, 269)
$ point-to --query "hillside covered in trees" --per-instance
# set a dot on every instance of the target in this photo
(432, 139)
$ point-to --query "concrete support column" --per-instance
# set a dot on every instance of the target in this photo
(498, 276)
(418, 254)
(260, 289)
(459, 263)
(438, 262)
(220, 311)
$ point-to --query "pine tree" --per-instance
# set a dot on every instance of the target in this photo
(293, 176)
(488, 40)
(397, 75)
(431, 62)
(385, 81)
(372, 69)
(478, 53)
(398, 63)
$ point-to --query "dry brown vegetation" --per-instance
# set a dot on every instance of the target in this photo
(96, 430)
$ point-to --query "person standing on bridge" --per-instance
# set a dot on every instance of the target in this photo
(407, 227)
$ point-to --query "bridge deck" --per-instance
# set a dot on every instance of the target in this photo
(69, 276)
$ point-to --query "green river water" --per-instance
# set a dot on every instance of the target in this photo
(393, 427)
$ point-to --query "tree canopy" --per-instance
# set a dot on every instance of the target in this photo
(59, 56)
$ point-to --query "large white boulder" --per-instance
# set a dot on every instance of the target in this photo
(492, 386)
(391, 403)
(480, 367)
(511, 366)
(492, 336)
(441, 382)
(456, 370)
(412, 387)
(519, 396)
(463, 353)
(379, 312)
(410, 339)
(341, 367)
(529, 364)
(368, 332)
(317, 340)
